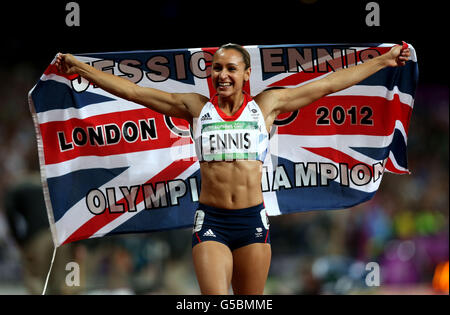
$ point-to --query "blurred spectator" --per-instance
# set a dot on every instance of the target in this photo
(27, 217)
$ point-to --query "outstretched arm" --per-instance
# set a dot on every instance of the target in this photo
(181, 105)
(288, 100)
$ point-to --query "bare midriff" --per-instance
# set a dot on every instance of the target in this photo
(231, 185)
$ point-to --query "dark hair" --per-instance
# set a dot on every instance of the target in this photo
(242, 50)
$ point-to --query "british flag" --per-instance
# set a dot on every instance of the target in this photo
(110, 166)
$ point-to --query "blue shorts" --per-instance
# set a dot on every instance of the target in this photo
(234, 228)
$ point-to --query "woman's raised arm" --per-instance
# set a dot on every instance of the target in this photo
(181, 105)
(288, 100)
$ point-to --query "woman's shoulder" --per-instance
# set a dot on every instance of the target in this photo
(267, 98)
(195, 102)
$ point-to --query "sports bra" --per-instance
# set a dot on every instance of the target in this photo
(219, 137)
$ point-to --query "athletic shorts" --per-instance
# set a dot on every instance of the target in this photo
(235, 228)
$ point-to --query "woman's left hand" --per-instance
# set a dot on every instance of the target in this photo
(398, 55)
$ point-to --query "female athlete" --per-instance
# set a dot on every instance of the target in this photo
(231, 243)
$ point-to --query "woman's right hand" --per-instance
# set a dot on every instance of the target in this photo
(66, 63)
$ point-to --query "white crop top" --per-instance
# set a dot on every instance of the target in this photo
(219, 137)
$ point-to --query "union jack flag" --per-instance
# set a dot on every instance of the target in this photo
(110, 166)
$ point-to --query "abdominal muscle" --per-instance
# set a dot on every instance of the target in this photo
(231, 185)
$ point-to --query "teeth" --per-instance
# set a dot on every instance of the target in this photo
(224, 83)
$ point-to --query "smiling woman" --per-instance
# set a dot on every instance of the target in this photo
(230, 70)
(230, 239)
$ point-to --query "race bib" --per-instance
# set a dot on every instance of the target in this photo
(230, 140)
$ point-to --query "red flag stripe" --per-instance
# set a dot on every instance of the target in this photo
(59, 145)
(348, 115)
(391, 168)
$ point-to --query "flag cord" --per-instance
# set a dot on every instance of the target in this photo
(49, 271)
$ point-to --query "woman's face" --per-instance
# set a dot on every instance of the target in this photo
(228, 72)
